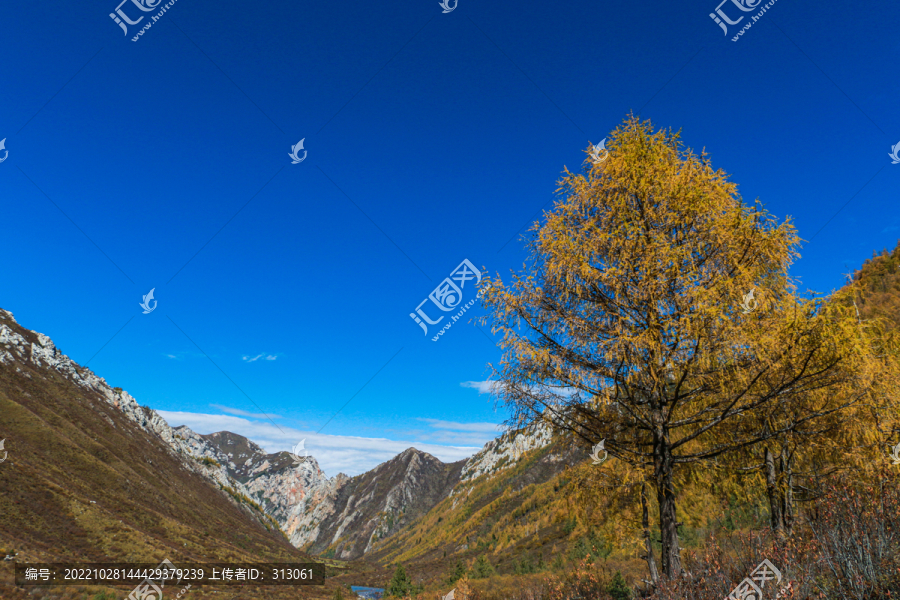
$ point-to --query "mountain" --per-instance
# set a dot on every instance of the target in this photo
(509, 496)
(377, 515)
(379, 502)
(349, 518)
(297, 498)
(90, 475)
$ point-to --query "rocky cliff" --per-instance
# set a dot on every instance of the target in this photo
(379, 502)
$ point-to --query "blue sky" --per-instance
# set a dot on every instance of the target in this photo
(431, 138)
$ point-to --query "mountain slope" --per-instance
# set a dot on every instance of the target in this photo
(379, 502)
(92, 476)
(504, 508)
(297, 498)
(879, 279)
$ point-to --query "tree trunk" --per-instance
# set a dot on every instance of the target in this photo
(665, 496)
(645, 522)
(775, 498)
(787, 512)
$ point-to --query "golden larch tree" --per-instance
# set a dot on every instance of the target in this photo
(655, 312)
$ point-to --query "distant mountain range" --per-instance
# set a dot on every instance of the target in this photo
(74, 440)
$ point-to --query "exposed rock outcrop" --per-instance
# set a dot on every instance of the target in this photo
(375, 504)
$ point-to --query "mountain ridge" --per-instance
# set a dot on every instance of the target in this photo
(345, 517)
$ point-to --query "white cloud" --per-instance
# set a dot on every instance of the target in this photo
(335, 453)
(458, 437)
(453, 426)
(483, 387)
(259, 356)
(172, 356)
(244, 413)
(492, 387)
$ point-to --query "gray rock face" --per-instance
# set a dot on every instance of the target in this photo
(504, 451)
(375, 504)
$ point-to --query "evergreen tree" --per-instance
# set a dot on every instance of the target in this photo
(482, 568)
(618, 588)
(558, 563)
(400, 584)
(458, 573)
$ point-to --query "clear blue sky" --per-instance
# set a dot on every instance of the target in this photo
(431, 138)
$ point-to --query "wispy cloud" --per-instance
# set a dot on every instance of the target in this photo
(451, 432)
(335, 453)
(183, 354)
(493, 387)
(244, 413)
(453, 426)
(483, 387)
(263, 356)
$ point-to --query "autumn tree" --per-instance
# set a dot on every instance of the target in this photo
(797, 464)
(656, 313)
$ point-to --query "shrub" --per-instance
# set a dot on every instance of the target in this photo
(527, 566)
(846, 548)
(458, 573)
(558, 563)
(618, 588)
(481, 569)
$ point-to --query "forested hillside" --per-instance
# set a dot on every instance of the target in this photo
(879, 285)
